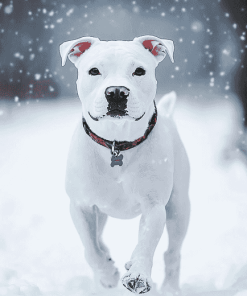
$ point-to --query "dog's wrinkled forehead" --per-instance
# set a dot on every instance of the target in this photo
(123, 52)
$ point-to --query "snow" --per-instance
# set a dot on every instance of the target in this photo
(8, 9)
(40, 251)
(69, 12)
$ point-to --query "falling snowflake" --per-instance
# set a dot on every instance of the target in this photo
(136, 9)
(32, 56)
(37, 76)
(59, 20)
(197, 26)
(8, 9)
(69, 12)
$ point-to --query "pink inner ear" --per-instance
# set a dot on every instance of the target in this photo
(148, 45)
(83, 46)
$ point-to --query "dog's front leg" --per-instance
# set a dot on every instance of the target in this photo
(138, 277)
(87, 222)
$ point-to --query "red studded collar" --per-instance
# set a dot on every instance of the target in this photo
(121, 145)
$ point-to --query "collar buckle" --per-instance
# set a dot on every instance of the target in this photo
(113, 151)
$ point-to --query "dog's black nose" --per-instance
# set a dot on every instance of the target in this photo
(116, 93)
(117, 100)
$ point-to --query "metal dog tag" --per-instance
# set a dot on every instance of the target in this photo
(116, 159)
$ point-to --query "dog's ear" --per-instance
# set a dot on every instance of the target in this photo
(158, 47)
(75, 48)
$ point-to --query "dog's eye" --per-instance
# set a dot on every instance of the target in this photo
(94, 71)
(139, 72)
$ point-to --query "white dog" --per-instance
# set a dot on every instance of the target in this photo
(126, 157)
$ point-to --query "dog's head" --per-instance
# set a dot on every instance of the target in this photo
(116, 79)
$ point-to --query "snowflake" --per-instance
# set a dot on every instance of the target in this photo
(222, 73)
(69, 12)
(225, 51)
(1, 4)
(227, 14)
(163, 14)
(51, 13)
(59, 20)
(32, 56)
(44, 11)
(8, 9)
(37, 76)
(242, 38)
(235, 26)
(16, 98)
(136, 9)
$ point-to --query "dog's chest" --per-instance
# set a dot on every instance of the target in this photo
(118, 191)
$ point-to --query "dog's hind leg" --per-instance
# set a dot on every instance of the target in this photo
(87, 224)
(177, 223)
(178, 213)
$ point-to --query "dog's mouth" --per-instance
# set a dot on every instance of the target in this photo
(116, 113)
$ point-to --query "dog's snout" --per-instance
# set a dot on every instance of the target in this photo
(113, 93)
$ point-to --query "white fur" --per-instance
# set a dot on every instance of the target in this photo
(154, 179)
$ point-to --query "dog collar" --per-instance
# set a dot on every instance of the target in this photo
(117, 146)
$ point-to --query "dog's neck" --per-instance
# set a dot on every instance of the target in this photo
(121, 130)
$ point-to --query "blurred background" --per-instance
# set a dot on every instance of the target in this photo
(39, 108)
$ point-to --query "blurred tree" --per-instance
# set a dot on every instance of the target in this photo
(24, 49)
(238, 16)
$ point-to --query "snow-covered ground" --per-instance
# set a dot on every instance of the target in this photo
(40, 251)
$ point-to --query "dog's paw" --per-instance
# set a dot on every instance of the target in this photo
(136, 282)
(168, 290)
(109, 280)
(107, 274)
